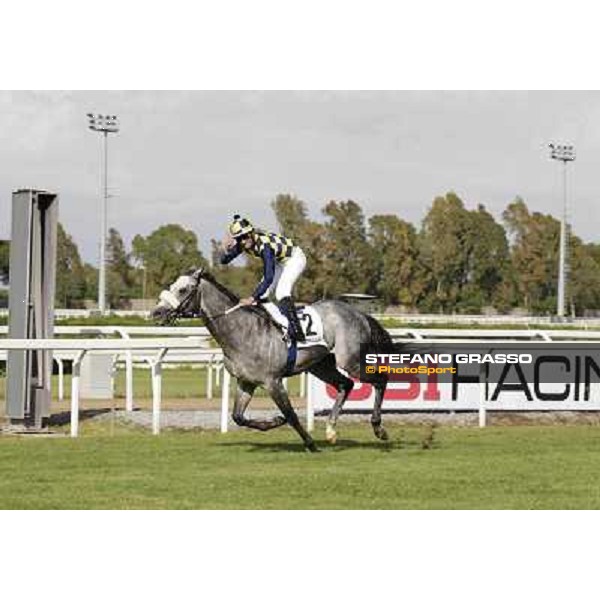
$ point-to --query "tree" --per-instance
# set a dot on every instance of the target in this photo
(535, 239)
(70, 276)
(583, 290)
(116, 256)
(4, 260)
(464, 258)
(90, 276)
(120, 274)
(348, 259)
(444, 245)
(292, 218)
(534, 255)
(394, 248)
(166, 253)
(240, 278)
(488, 263)
(291, 215)
(315, 282)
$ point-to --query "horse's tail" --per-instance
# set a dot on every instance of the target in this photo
(379, 335)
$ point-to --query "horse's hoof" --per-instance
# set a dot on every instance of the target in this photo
(311, 448)
(330, 434)
(382, 434)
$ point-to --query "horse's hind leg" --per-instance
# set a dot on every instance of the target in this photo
(327, 371)
(378, 428)
(244, 395)
(282, 400)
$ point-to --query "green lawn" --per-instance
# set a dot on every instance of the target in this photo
(499, 467)
(182, 383)
(179, 383)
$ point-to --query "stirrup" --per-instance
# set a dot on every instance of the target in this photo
(299, 334)
(295, 332)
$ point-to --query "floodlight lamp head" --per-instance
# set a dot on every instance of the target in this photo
(104, 123)
(563, 152)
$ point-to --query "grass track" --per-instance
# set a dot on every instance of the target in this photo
(501, 467)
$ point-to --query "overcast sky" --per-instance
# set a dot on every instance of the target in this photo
(195, 158)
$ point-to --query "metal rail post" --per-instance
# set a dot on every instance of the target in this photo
(209, 379)
(482, 396)
(157, 390)
(128, 371)
(225, 401)
(75, 384)
(310, 410)
(61, 378)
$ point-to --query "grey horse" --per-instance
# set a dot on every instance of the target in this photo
(255, 352)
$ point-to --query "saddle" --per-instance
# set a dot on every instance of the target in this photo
(310, 321)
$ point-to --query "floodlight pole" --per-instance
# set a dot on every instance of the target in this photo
(103, 124)
(103, 227)
(562, 267)
(564, 154)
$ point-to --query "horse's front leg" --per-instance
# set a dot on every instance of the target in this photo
(280, 397)
(245, 392)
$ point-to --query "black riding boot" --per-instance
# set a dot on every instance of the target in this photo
(295, 329)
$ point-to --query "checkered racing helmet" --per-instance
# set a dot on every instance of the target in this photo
(240, 227)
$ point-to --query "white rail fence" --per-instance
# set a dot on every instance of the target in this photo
(521, 320)
(76, 349)
(201, 354)
(194, 348)
(502, 320)
(153, 352)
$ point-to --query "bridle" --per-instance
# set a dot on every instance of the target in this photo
(172, 315)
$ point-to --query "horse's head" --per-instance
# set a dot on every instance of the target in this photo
(180, 300)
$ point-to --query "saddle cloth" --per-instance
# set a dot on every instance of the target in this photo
(310, 321)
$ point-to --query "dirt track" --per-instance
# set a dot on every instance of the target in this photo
(210, 419)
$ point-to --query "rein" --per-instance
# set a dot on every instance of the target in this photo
(174, 314)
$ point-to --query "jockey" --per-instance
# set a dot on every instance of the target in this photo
(283, 262)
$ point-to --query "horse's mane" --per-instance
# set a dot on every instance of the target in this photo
(211, 278)
(259, 310)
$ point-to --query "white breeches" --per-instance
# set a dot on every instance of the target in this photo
(286, 274)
